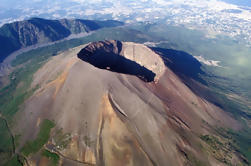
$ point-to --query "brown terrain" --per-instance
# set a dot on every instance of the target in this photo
(120, 105)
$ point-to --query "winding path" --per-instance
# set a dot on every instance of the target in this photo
(51, 148)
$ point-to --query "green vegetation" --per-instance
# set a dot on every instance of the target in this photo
(194, 161)
(11, 97)
(212, 141)
(235, 141)
(42, 137)
(6, 144)
(53, 157)
(238, 140)
(17, 139)
(217, 149)
(62, 139)
(14, 94)
(5, 137)
(237, 108)
(15, 161)
(242, 142)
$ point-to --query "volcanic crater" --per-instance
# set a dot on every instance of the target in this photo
(124, 57)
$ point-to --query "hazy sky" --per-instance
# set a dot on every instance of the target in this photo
(14, 10)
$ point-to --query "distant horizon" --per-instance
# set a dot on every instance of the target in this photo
(228, 17)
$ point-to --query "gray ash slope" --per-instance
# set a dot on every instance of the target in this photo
(125, 120)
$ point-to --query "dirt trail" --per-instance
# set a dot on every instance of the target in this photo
(53, 149)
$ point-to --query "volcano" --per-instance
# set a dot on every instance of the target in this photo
(117, 103)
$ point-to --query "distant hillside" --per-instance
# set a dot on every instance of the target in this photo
(21, 34)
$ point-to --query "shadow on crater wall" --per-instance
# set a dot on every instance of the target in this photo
(181, 63)
(108, 57)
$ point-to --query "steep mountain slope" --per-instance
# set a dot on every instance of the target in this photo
(20, 34)
(108, 110)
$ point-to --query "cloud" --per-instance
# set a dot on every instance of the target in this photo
(207, 62)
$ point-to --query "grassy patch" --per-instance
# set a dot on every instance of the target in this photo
(220, 151)
(233, 142)
(242, 142)
(5, 137)
(42, 137)
(53, 157)
(212, 141)
(6, 146)
(62, 139)
(12, 96)
(192, 160)
(15, 161)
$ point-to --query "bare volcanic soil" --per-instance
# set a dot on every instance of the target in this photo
(120, 105)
